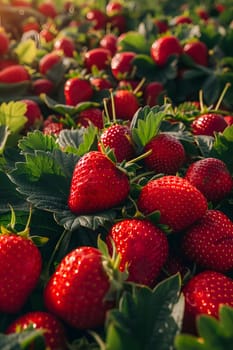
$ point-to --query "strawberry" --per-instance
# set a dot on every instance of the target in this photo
(211, 177)
(122, 65)
(42, 86)
(202, 13)
(109, 41)
(118, 138)
(30, 24)
(14, 74)
(4, 42)
(208, 242)
(7, 62)
(143, 249)
(66, 45)
(198, 51)
(204, 293)
(126, 104)
(48, 9)
(101, 83)
(77, 90)
(161, 25)
(52, 127)
(93, 115)
(33, 114)
(21, 263)
(167, 156)
(98, 57)
(118, 23)
(182, 19)
(54, 332)
(228, 119)
(164, 47)
(76, 290)
(208, 124)
(97, 18)
(114, 7)
(180, 203)
(48, 61)
(97, 184)
(152, 92)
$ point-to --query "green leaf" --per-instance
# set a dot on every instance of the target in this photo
(136, 42)
(21, 340)
(78, 141)
(12, 115)
(222, 147)
(36, 140)
(145, 66)
(146, 319)
(226, 319)
(145, 124)
(189, 342)
(9, 92)
(26, 51)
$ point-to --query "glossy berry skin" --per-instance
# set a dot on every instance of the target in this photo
(96, 184)
(20, 268)
(97, 17)
(122, 64)
(33, 114)
(208, 242)
(101, 83)
(204, 293)
(48, 61)
(164, 47)
(55, 338)
(14, 74)
(126, 104)
(42, 86)
(4, 42)
(48, 9)
(98, 57)
(91, 115)
(109, 41)
(143, 248)
(66, 45)
(168, 154)
(211, 177)
(52, 128)
(77, 90)
(118, 138)
(180, 203)
(208, 124)
(75, 292)
(198, 51)
(152, 92)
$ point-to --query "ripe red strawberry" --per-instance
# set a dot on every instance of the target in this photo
(211, 177)
(204, 293)
(77, 90)
(161, 24)
(118, 138)
(182, 19)
(168, 154)
(208, 124)
(52, 126)
(48, 61)
(208, 242)
(98, 57)
(164, 47)
(14, 74)
(42, 86)
(4, 42)
(97, 17)
(143, 249)
(109, 41)
(48, 9)
(54, 332)
(33, 114)
(198, 51)
(76, 291)
(202, 13)
(21, 263)
(48, 32)
(126, 104)
(180, 203)
(114, 7)
(101, 83)
(121, 65)
(30, 24)
(118, 23)
(66, 45)
(229, 119)
(152, 92)
(97, 184)
(93, 115)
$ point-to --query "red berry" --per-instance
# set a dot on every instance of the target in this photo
(4, 42)
(126, 104)
(143, 248)
(77, 90)
(165, 47)
(109, 41)
(48, 9)
(208, 124)
(42, 86)
(66, 45)
(93, 115)
(211, 177)
(48, 61)
(97, 17)
(98, 57)
(33, 114)
(122, 65)
(152, 92)
(198, 51)
(180, 204)
(14, 74)
(76, 291)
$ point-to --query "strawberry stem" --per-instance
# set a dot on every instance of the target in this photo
(226, 87)
(113, 107)
(137, 159)
(138, 87)
(106, 111)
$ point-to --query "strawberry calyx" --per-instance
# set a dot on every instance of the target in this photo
(10, 229)
(111, 263)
